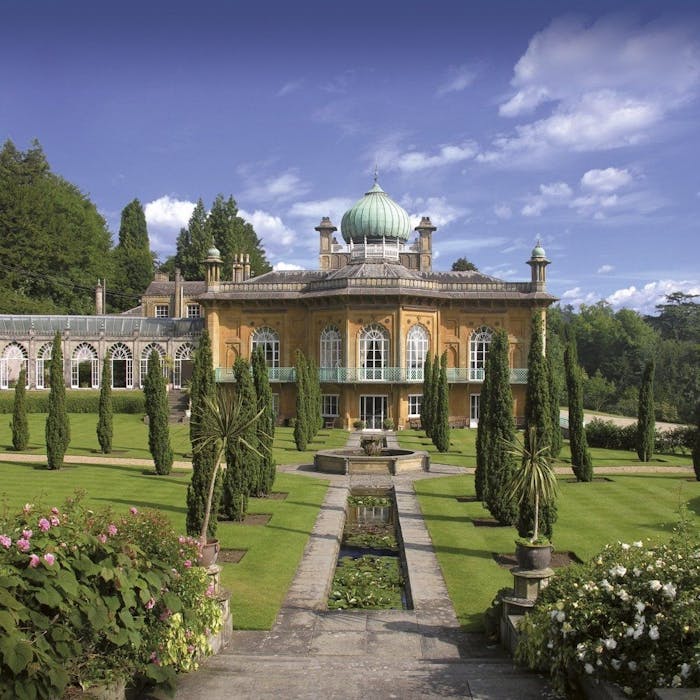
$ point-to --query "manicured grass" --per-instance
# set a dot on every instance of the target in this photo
(590, 515)
(258, 583)
(462, 452)
(285, 452)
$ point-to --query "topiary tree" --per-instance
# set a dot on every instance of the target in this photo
(426, 417)
(104, 410)
(537, 416)
(499, 432)
(645, 415)
(696, 444)
(57, 422)
(581, 463)
(204, 452)
(19, 424)
(157, 411)
(434, 393)
(553, 379)
(301, 432)
(265, 426)
(441, 427)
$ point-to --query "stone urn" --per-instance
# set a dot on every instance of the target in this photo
(209, 552)
(533, 557)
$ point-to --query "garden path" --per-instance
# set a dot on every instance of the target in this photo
(314, 653)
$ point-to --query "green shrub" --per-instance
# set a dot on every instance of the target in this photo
(630, 616)
(77, 401)
(19, 425)
(606, 434)
(88, 597)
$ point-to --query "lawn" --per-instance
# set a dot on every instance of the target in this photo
(462, 452)
(258, 583)
(628, 508)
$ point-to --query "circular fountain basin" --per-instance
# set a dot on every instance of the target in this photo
(388, 461)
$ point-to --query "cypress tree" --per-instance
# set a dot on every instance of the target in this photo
(580, 456)
(427, 402)
(57, 423)
(20, 426)
(482, 434)
(104, 411)
(441, 428)
(553, 377)
(538, 416)
(301, 432)
(265, 426)
(645, 415)
(157, 411)
(500, 432)
(696, 444)
(202, 387)
(434, 394)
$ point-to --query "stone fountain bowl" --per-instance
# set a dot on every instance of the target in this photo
(388, 461)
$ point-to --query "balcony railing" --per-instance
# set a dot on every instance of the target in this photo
(356, 375)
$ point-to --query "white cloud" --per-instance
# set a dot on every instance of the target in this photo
(553, 194)
(391, 157)
(334, 207)
(577, 296)
(289, 87)
(286, 266)
(440, 211)
(283, 187)
(607, 180)
(605, 85)
(459, 78)
(645, 298)
(502, 211)
(169, 213)
(604, 269)
(275, 235)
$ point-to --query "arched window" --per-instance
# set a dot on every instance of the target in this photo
(182, 372)
(330, 347)
(417, 343)
(122, 367)
(145, 354)
(13, 361)
(84, 368)
(479, 344)
(374, 352)
(269, 341)
(43, 357)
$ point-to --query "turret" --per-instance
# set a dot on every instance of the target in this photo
(212, 264)
(538, 263)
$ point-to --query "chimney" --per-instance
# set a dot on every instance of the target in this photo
(177, 313)
(246, 267)
(99, 299)
(237, 269)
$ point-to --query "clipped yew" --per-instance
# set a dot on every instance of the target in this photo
(19, 424)
(104, 411)
(157, 411)
(645, 415)
(57, 422)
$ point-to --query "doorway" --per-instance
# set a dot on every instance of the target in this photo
(373, 410)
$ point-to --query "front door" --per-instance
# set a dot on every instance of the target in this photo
(474, 400)
(373, 411)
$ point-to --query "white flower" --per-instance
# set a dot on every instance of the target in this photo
(654, 632)
(637, 544)
(685, 670)
(640, 606)
(623, 595)
(605, 585)
(669, 591)
(588, 668)
(627, 690)
(632, 665)
(629, 631)
(610, 643)
(561, 616)
(637, 571)
(616, 663)
(625, 546)
(617, 571)
(676, 682)
(638, 632)
(655, 585)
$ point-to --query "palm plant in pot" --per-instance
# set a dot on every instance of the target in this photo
(532, 484)
(222, 423)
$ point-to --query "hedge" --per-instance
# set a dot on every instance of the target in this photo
(602, 433)
(81, 401)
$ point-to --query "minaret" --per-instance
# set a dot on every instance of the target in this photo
(538, 263)
(325, 230)
(425, 243)
(213, 268)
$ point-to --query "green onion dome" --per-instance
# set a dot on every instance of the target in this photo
(374, 217)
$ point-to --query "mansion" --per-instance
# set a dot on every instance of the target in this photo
(368, 317)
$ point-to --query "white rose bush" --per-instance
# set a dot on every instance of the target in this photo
(630, 616)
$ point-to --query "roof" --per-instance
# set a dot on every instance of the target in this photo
(375, 217)
(189, 288)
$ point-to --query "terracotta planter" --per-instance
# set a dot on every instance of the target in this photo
(209, 553)
(533, 557)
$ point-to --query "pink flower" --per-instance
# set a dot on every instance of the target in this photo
(49, 558)
(55, 511)
(155, 659)
(165, 615)
(187, 563)
(33, 561)
(27, 534)
(150, 604)
(44, 525)
(102, 538)
(55, 522)
(182, 539)
(112, 529)
(27, 508)
(133, 511)
(5, 541)
(23, 545)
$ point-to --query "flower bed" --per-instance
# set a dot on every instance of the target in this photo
(630, 616)
(91, 597)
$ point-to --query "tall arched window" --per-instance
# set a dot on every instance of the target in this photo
(145, 354)
(84, 368)
(43, 357)
(417, 343)
(122, 367)
(14, 359)
(374, 352)
(479, 344)
(182, 372)
(330, 347)
(269, 341)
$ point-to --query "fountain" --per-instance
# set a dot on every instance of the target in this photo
(374, 457)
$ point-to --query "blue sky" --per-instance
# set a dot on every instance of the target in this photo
(505, 121)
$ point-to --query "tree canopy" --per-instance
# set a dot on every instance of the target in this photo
(463, 265)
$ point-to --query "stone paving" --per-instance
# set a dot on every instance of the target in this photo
(314, 653)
